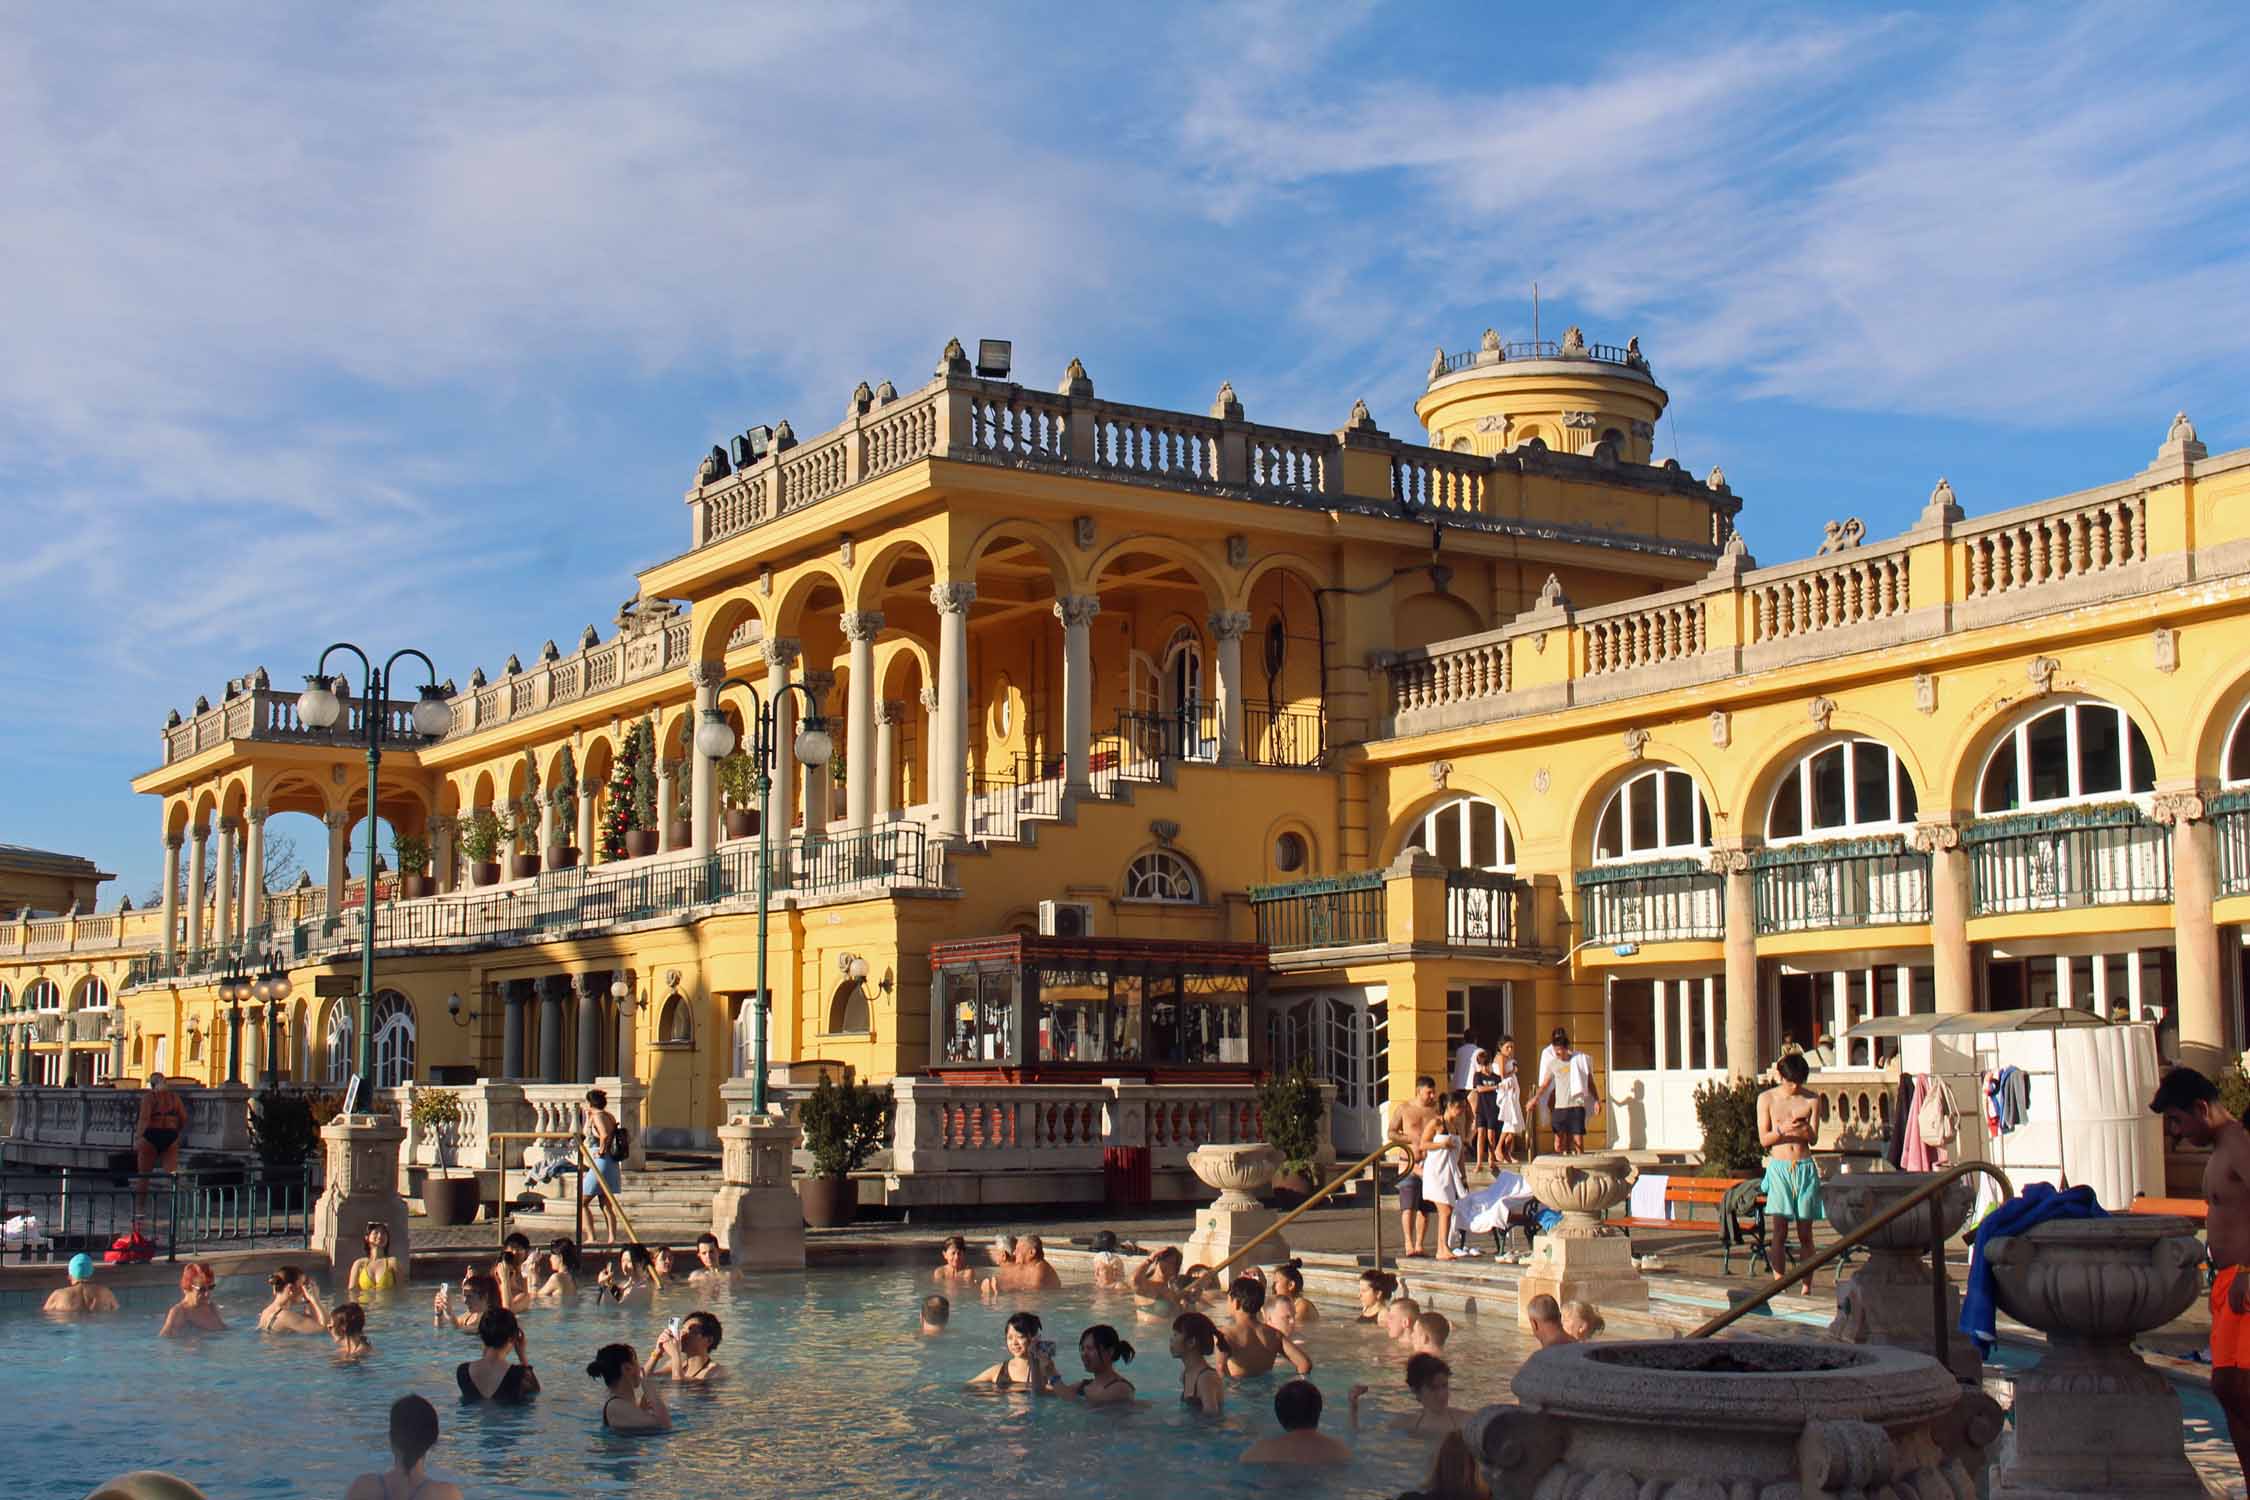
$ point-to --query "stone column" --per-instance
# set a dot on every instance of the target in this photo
(781, 654)
(515, 995)
(1227, 627)
(949, 759)
(1733, 863)
(887, 717)
(171, 899)
(200, 836)
(703, 776)
(2195, 886)
(550, 825)
(590, 988)
(859, 726)
(362, 1188)
(222, 899)
(339, 824)
(1952, 965)
(254, 873)
(756, 1213)
(442, 858)
(667, 803)
(552, 988)
(585, 835)
(1077, 613)
(820, 796)
(933, 759)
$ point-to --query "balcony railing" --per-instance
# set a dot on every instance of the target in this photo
(1278, 736)
(1608, 354)
(1841, 883)
(2230, 821)
(1337, 911)
(1655, 901)
(557, 902)
(2107, 855)
(1484, 910)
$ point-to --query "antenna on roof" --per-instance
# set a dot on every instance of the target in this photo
(1535, 317)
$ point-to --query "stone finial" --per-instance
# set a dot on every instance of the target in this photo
(2181, 442)
(261, 679)
(713, 468)
(125, 904)
(1716, 479)
(589, 638)
(1734, 558)
(202, 703)
(1437, 362)
(1633, 355)
(1573, 340)
(1361, 419)
(477, 678)
(512, 667)
(955, 359)
(1941, 508)
(885, 394)
(1551, 595)
(1841, 536)
(172, 719)
(784, 436)
(1075, 381)
(863, 397)
(1224, 406)
(1491, 341)
(549, 651)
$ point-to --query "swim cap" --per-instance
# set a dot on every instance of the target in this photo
(82, 1267)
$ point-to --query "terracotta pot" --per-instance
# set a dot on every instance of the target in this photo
(683, 834)
(741, 822)
(451, 1201)
(415, 887)
(828, 1201)
(487, 873)
(522, 866)
(640, 843)
(562, 859)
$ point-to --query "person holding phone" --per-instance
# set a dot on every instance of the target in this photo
(492, 1376)
(1030, 1364)
(683, 1350)
(295, 1307)
(632, 1404)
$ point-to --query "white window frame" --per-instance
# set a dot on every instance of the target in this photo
(1425, 831)
(394, 1040)
(1139, 875)
(336, 1040)
(36, 993)
(1700, 834)
(1852, 746)
(2017, 742)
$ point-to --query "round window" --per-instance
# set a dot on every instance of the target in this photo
(1290, 853)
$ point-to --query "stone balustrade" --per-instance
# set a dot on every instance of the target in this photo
(51, 1125)
(83, 932)
(266, 713)
(491, 1107)
(1855, 1106)
(942, 1126)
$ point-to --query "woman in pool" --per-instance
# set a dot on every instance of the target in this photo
(1253, 1346)
(479, 1295)
(377, 1270)
(295, 1307)
(195, 1312)
(1030, 1364)
(508, 1270)
(1430, 1380)
(633, 1275)
(953, 1261)
(347, 1325)
(1289, 1288)
(414, 1432)
(1101, 1351)
(1376, 1288)
(1157, 1293)
(491, 1376)
(684, 1350)
(559, 1262)
(1194, 1342)
(632, 1405)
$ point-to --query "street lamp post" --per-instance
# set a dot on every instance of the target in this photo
(272, 990)
(319, 708)
(233, 988)
(714, 738)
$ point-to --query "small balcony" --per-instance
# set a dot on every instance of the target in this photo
(1876, 882)
(1653, 901)
(1486, 910)
(1339, 911)
(2109, 855)
(2230, 821)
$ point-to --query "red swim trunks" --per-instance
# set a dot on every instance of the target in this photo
(2230, 1330)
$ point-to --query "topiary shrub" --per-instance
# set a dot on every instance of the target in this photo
(283, 1129)
(1289, 1106)
(1728, 1113)
(843, 1126)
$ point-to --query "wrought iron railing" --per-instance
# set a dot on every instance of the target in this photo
(2105, 855)
(1608, 354)
(81, 1211)
(1840, 883)
(2230, 823)
(1336, 911)
(1654, 901)
(1485, 910)
(1278, 736)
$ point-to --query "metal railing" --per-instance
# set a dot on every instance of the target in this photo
(1941, 1334)
(88, 1211)
(2096, 856)
(1652, 902)
(1485, 910)
(1336, 911)
(2230, 822)
(1277, 736)
(1321, 1195)
(1608, 354)
(1842, 883)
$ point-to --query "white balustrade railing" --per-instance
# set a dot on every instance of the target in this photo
(2053, 543)
(105, 1118)
(944, 1126)
(1854, 589)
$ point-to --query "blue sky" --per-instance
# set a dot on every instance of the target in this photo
(410, 327)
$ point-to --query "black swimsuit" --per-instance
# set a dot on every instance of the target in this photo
(509, 1392)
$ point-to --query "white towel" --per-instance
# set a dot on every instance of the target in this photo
(1647, 1201)
(1491, 1206)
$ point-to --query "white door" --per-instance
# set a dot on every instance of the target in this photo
(1666, 1040)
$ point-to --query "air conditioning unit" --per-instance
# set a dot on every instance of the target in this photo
(1066, 919)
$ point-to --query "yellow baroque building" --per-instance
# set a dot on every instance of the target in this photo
(1491, 735)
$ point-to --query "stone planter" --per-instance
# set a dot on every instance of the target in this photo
(2092, 1418)
(450, 1201)
(562, 859)
(1239, 1172)
(522, 866)
(681, 835)
(741, 822)
(640, 843)
(1582, 1256)
(485, 872)
(415, 887)
(1690, 1418)
(1888, 1300)
(828, 1201)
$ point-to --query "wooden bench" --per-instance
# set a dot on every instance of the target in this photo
(2186, 1208)
(1711, 1193)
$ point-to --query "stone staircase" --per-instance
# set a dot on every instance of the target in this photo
(669, 1202)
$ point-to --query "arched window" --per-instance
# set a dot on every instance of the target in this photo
(1838, 788)
(7, 997)
(337, 1038)
(1468, 833)
(93, 993)
(1161, 875)
(847, 1008)
(394, 1040)
(673, 1023)
(2236, 770)
(2073, 753)
(42, 994)
(1658, 811)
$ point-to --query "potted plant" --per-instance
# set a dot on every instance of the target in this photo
(285, 1135)
(562, 854)
(682, 831)
(843, 1126)
(449, 1195)
(629, 830)
(738, 789)
(481, 834)
(1289, 1106)
(413, 851)
(523, 824)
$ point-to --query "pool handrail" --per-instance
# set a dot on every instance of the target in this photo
(585, 1166)
(1364, 1164)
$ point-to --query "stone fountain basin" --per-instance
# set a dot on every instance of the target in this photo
(1857, 1198)
(2110, 1278)
(1735, 1383)
(1242, 1168)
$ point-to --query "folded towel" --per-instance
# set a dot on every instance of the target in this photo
(2038, 1203)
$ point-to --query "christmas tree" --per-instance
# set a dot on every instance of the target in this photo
(631, 792)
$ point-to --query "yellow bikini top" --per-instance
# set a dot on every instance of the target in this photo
(376, 1275)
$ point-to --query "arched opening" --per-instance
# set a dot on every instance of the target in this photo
(675, 1024)
(1162, 875)
(2075, 752)
(848, 1010)
(394, 1040)
(1653, 814)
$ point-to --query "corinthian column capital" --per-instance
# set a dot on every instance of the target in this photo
(1229, 624)
(953, 598)
(862, 625)
(1077, 609)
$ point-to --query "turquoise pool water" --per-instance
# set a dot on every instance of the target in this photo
(830, 1393)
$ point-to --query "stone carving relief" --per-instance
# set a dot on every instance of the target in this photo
(1583, 419)
(1934, 838)
(1727, 861)
(1437, 362)
(1925, 693)
(844, 551)
(1082, 532)
(1238, 551)
(2172, 808)
(1493, 422)
(1164, 830)
(1841, 536)
(1722, 728)
(2167, 643)
(1636, 742)
(952, 598)
(1440, 772)
(2041, 670)
(1820, 711)
(1574, 340)
(1541, 779)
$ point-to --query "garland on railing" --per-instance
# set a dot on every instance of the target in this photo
(1647, 869)
(2093, 815)
(2226, 803)
(1325, 885)
(1825, 851)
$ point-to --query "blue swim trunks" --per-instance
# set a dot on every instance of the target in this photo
(1792, 1190)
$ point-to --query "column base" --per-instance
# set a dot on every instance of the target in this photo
(2097, 1428)
(1595, 1268)
(756, 1212)
(363, 1170)
(1220, 1232)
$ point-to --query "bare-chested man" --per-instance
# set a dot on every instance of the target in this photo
(1252, 1346)
(1786, 1118)
(2189, 1103)
(1410, 1120)
(1029, 1272)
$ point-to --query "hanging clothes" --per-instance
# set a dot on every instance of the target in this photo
(1902, 1117)
(1933, 1120)
(1914, 1152)
(1992, 1105)
(2011, 1099)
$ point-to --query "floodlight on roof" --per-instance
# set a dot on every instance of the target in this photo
(995, 357)
(752, 446)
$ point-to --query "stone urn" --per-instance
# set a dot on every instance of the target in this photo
(1237, 1172)
(1888, 1301)
(2092, 1418)
(1581, 1257)
(1704, 1419)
